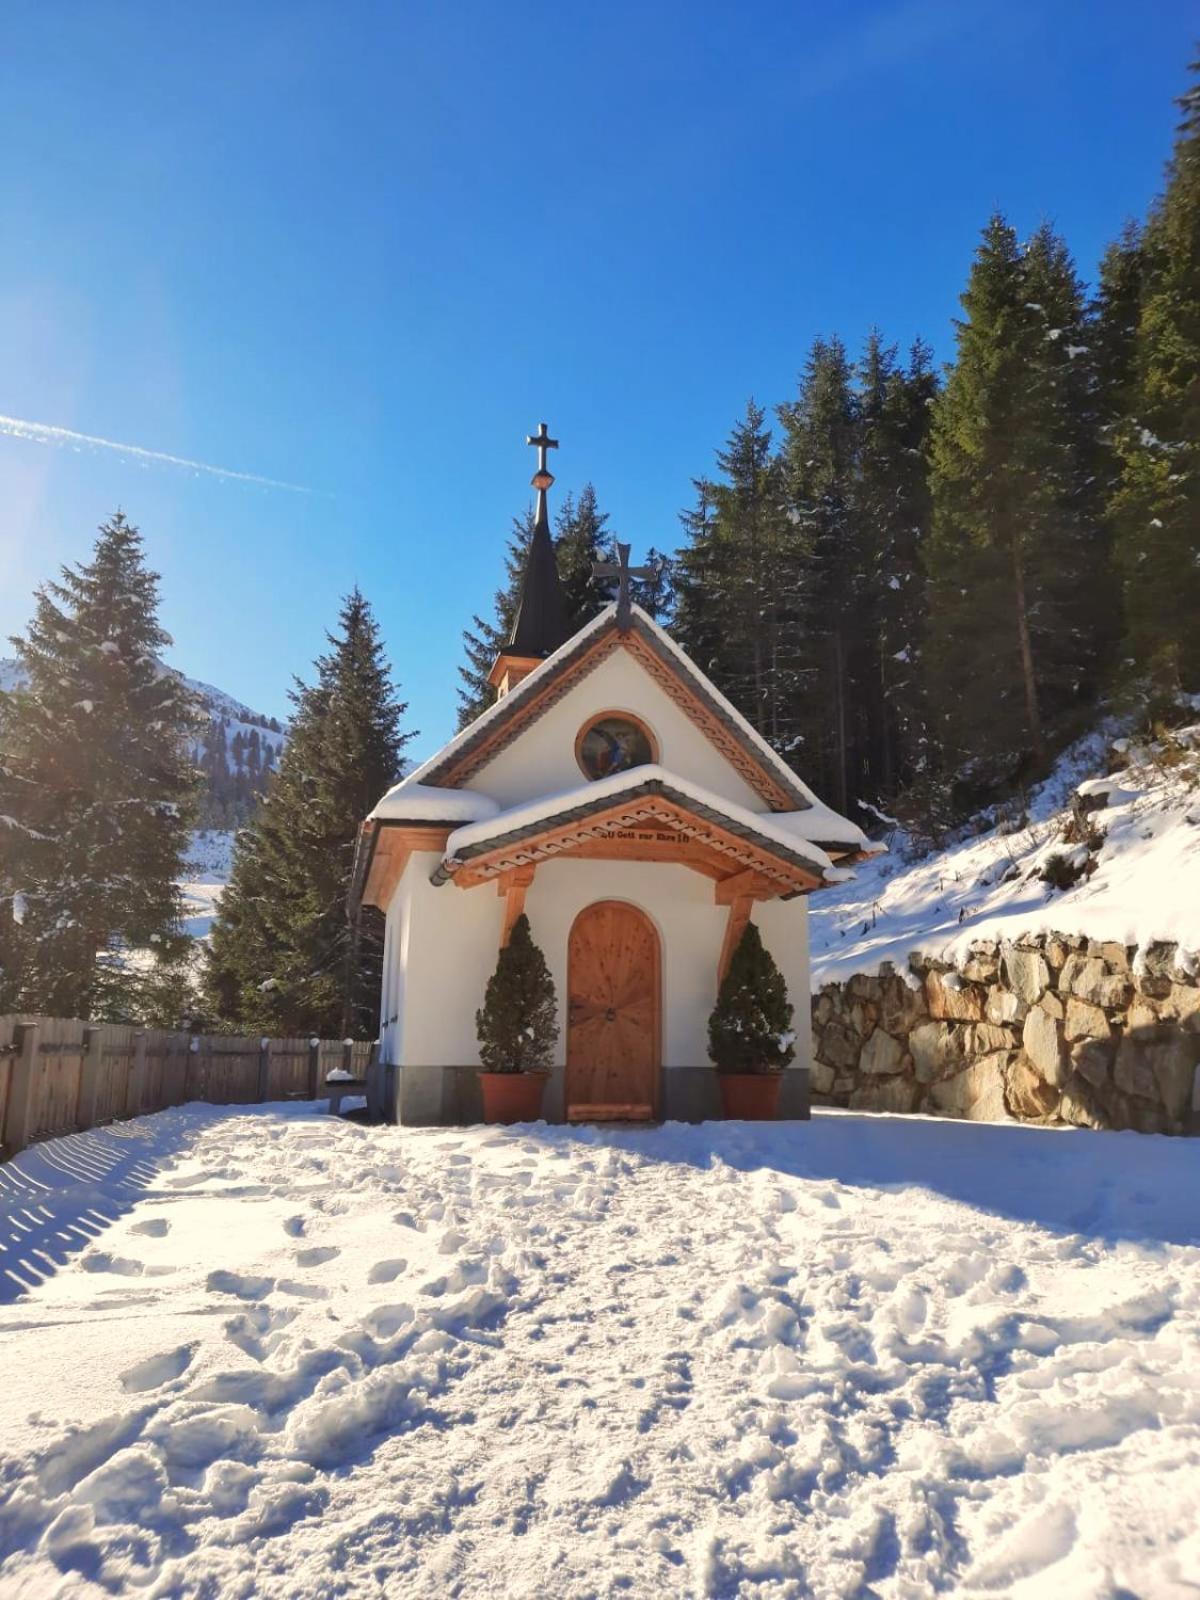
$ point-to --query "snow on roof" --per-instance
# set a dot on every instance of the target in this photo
(410, 801)
(821, 824)
(764, 823)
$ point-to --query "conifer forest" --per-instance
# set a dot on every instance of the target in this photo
(918, 581)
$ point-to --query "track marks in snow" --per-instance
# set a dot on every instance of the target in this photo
(157, 1370)
(655, 1361)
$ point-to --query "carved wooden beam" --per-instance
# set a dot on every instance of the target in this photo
(512, 886)
(739, 916)
(752, 884)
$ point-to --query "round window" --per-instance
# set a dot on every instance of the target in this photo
(613, 743)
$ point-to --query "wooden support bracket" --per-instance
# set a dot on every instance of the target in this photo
(513, 886)
(750, 885)
(739, 916)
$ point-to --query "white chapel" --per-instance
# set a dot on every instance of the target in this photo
(617, 798)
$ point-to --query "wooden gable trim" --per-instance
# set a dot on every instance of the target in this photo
(722, 735)
(644, 816)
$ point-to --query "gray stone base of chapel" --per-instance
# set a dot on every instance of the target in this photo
(435, 1097)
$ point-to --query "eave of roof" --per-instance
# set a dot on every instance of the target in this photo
(523, 823)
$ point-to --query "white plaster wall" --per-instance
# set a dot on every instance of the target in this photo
(784, 928)
(541, 760)
(443, 943)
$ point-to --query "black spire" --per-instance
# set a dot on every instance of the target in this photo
(541, 623)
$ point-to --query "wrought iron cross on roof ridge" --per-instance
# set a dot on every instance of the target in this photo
(622, 572)
(543, 477)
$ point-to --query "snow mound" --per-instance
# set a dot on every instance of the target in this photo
(1139, 882)
(844, 1357)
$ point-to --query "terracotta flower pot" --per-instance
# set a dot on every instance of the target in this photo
(750, 1096)
(512, 1096)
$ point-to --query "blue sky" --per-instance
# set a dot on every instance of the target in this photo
(365, 248)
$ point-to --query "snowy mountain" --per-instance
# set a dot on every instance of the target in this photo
(237, 749)
(1107, 847)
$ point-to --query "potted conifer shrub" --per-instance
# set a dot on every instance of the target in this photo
(517, 1026)
(750, 1036)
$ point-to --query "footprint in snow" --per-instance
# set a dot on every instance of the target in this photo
(295, 1226)
(154, 1227)
(316, 1255)
(154, 1371)
(123, 1266)
(242, 1284)
(302, 1291)
(386, 1271)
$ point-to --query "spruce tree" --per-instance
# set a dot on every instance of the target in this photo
(517, 1025)
(484, 639)
(1155, 508)
(820, 449)
(893, 512)
(97, 790)
(582, 537)
(285, 957)
(1011, 647)
(733, 582)
(750, 1028)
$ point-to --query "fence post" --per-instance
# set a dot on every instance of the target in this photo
(137, 1078)
(20, 1087)
(314, 1068)
(89, 1077)
(264, 1069)
(348, 1057)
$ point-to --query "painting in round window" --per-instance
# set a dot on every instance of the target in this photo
(613, 744)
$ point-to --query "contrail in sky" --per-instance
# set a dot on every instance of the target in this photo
(43, 433)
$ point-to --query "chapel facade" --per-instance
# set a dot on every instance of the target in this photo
(618, 799)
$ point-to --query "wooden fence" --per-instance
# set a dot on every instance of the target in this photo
(60, 1075)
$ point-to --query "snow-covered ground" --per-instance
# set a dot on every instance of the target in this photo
(210, 859)
(267, 1352)
(1145, 887)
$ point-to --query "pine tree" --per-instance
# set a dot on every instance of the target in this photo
(97, 789)
(1155, 509)
(1011, 539)
(733, 582)
(893, 511)
(517, 1024)
(484, 639)
(750, 1029)
(820, 448)
(582, 537)
(285, 957)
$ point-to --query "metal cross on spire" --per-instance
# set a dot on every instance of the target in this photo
(543, 477)
(622, 572)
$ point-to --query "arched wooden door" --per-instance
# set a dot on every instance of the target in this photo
(613, 1029)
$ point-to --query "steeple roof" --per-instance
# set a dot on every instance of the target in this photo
(541, 623)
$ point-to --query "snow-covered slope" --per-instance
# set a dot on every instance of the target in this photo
(1141, 881)
(265, 1351)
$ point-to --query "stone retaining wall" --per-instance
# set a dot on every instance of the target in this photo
(1046, 1029)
